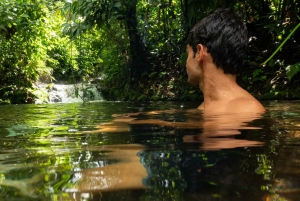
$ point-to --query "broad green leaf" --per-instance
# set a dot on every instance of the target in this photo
(292, 70)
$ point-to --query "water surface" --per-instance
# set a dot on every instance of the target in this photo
(148, 151)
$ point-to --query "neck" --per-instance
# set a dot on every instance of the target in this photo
(217, 86)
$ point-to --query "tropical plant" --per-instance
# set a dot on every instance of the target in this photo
(24, 38)
(138, 44)
(83, 15)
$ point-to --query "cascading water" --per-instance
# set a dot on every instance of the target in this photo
(66, 93)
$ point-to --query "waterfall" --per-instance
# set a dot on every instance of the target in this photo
(66, 93)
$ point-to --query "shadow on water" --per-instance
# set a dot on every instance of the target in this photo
(153, 151)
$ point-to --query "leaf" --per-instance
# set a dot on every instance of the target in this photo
(66, 29)
(118, 4)
(65, 24)
(142, 97)
(257, 72)
(25, 15)
(152, 74)
(76, 93)
(292, 70)
(2, 27)
(161, 74)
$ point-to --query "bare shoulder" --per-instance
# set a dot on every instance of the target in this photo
(246, 105)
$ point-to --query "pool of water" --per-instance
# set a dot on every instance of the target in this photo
(148, 151)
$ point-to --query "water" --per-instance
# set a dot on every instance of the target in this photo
(148, 151)
(66, 93)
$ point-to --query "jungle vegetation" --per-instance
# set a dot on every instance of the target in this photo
(135, 50)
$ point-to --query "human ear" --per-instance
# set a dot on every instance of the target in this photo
(200, 52)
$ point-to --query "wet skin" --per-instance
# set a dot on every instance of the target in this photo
(218, 132)
(226, 109)
(221, 92)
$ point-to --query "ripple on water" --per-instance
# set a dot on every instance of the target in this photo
(163, 150)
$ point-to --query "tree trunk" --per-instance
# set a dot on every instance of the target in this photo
(138, 61)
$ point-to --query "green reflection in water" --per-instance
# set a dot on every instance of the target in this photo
(46, 150)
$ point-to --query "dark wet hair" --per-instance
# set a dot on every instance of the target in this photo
(225, 35)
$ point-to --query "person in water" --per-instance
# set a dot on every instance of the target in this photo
(216, 47)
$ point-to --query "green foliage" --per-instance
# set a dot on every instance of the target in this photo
(90, 12)
(138, 44)
(292, 70)
(288, 37)
(61, 53)
(24, 37)
(268, 24)
(41, 95)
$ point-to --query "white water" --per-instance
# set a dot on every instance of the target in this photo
(66, 93)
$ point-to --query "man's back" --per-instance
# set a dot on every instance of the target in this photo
(236, 101)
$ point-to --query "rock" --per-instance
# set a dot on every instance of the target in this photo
(30, 100)
(55, 98)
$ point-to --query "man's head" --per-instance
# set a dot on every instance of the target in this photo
(224, 34)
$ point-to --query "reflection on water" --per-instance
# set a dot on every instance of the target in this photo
(154, 151)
